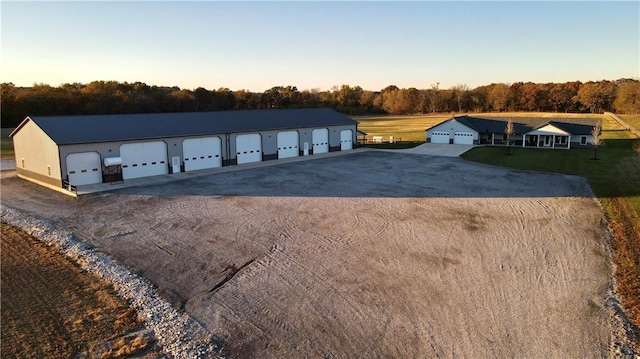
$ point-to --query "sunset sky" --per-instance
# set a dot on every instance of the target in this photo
(258, 45)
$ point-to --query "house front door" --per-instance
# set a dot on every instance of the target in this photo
(547, 141)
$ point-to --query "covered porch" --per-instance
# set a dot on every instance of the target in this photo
(548, 136)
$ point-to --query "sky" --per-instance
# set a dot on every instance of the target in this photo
(318, 45)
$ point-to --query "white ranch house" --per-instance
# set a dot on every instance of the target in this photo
(528, 132)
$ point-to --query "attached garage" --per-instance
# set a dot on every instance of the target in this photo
(288, 144)
(201, 153)
(320, 140)
(142, 159)
(346, 140)
(84, 168)
(248, 148)
(439, 137)
(463, 138)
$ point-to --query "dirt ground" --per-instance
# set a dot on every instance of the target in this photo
(51, 308)
(372, 254)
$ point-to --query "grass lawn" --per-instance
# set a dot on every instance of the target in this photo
(615, 180)
(6, 143)
(633, 120)
(550, 115)
(394, 146)
(406, 128)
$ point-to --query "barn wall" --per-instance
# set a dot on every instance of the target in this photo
(269, 145)
(36, 155)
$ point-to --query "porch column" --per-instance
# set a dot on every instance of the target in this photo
(569, 142)
(537, 141)
(553, 144)
(493, 137)
(524, 140)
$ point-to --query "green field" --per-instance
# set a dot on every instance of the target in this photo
(404, 128)
(550, 115)
(633, 120)
(6, 144)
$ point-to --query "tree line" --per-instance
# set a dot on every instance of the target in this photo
(112, 97)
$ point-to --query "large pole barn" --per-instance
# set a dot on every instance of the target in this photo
(61, 152)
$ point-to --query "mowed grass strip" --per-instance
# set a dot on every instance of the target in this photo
(633, 120)
(614, 178)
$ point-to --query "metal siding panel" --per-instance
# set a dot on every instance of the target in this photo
(270, 143)
(39, 152)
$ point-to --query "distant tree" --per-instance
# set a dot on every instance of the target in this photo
(460, 92)
(596, 140)
(366, 102)
(203, 98)
(479, 99)
(498, 96)
(223, 99)
(628, 98)
(597, 96)
(509, 130)
(560, 97)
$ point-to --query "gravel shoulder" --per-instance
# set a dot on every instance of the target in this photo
(372, 254)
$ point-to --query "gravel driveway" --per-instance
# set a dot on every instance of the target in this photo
(371, 254)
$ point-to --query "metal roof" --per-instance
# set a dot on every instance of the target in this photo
(574, 126)
(483, 125)
(65, 130)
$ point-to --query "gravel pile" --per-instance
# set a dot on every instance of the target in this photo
(179, 335)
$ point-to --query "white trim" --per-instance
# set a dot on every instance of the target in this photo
(549, 130)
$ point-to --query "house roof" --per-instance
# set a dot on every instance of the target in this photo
(106, 128)
(483, 125)
(522, 125)
(573, 128)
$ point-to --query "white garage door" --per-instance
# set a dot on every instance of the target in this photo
(463, 138)
(249, 148)
(84, 168)
(346, 140)
(143, 159)
(320, 139)
(439, 137)
(201, 153)
(288, 144)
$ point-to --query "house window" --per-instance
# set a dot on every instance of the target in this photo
(504, 137)
(583, 140)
